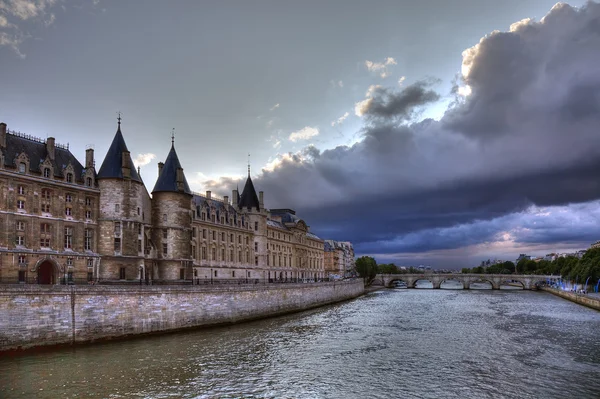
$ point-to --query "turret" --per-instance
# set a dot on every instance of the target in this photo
(171, 220)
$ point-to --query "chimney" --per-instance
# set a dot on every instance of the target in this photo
(160, 166)
(125, 169)
(180, 186)
(208, 194)
(260, 199)
(50, 146)
(3, 135)
(234, 197)
(89, 158)
(226, 200)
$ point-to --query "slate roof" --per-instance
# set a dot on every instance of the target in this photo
(276, 224)
(287, 215)
(167, 181)
(111, 166)
(200, 200)
(37, 153)
(249, 199)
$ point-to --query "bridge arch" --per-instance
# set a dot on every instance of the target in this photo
(516, 283)
(482, 279)
(393, 282)
(456, 279)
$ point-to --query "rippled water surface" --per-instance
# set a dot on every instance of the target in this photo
(393, 343)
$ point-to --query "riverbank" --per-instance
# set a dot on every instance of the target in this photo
(34, 316)
(581, 299)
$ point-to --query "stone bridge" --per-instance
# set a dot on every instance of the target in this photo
(528, 282)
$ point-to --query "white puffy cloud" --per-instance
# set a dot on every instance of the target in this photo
(274, 107)
(143, 159)
(401, 80)
(381, 68)
(304, 134)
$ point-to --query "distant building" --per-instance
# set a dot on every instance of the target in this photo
(340, 255)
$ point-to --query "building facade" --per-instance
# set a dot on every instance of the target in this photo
(339, 258)
(65, 222)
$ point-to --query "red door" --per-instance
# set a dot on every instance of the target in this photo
(46, 273)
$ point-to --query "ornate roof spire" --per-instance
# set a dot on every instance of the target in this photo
(173, 137)
(119, 119)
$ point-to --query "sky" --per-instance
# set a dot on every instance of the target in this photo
(434, 132)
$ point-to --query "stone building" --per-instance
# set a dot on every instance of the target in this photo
(63, 222)
(339, 257)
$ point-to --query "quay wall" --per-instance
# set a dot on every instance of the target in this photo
(32, 316)
(584, 300)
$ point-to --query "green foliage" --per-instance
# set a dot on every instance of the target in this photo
(388, 269)
(366, 267)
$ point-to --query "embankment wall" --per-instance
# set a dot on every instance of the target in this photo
(590, 302)
(33, 316)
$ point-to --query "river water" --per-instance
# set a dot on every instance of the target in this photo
(387, 344)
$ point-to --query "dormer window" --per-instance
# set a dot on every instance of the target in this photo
(88, 182)
(22, 167)
(46, 172)
(69, 177)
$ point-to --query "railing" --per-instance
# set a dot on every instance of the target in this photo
(195, 281)
(36, 139)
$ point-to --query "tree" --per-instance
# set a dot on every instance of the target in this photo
(366, 267)
(388, 269)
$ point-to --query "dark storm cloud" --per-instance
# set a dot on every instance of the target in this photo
(385, 103)
(527, 134)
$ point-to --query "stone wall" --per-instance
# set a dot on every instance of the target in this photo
(584, 300)
(38, 315)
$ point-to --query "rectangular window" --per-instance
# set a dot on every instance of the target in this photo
(182, 274)
(90, 262)
(239, 239)
(21, 190)
(44, 242)
(21, 276)
(46, 208)
(231, 238)
(69, 261)
(122, 273)
(117, 244)
(165, 234)
(193, 232)
(256, 260)
(139, 228)
(117, 229)
(21, 204)
(68, 211)
(46, 172)
(214, 235)
(68, 237)
(255, 247)
(222, 254)
(88, 240)
(90, 276)
(88, 214)
(45, 193)
(204, 233)
(233, 273)
(165, 249)
(22, 260)
(117, 208)
(69, 178)
(68, 198)
(240, 256)
(20, 225)
(88, 201)
(139, 245)
(215, 273)
(214, 254)
(222, 236)
(255, 226)
(203, 253)
(231, 256)
(164, 218)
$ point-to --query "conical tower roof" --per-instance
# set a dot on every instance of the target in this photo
(112, 165)
(249, 199)
(167, 180)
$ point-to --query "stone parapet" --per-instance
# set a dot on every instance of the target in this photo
(32, 316)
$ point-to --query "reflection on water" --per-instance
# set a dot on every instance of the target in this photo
(393, 343)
